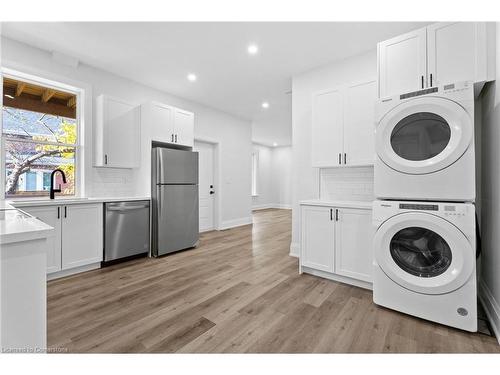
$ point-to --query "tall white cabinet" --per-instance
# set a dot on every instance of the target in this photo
(336, 241)
(118, 133)
(342, 130)
(78, 234)
(438, 54)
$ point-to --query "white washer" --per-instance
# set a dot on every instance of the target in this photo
(425, 145)
(425, 260)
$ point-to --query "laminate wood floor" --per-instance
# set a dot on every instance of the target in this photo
(239, 291)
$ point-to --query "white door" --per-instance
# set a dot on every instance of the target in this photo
(183, 127)
(424, 135)
(50, 216)
(353, 248)
(456, 52)
(359, 123)
(82, 235)
(206, 187)
(424, 253)
(317, 238)
(327, 129)
(159, 119)
(402, 63)
(122, 134)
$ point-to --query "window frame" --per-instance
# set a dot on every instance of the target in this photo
(79, 164)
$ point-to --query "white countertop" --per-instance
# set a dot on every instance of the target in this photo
(67, 201)
(16, 226)
(348, 204)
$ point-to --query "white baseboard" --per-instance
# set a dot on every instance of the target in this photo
(272, 205)
(73, 271)
(491, 307)
(235, 223)
(294, 249)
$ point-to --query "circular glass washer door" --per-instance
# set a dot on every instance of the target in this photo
(423, 135)
(424, 253)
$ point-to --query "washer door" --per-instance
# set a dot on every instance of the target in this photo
(424, 253)
(423, 135)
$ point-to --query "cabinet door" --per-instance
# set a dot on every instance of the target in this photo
(456, 52)
(353, 247)
(183, 127)
(327, 138)
(82, 235)
(359, 123)
(122, 134)
(402, 63)
(50, 216)
(317, 238)
(159, 119)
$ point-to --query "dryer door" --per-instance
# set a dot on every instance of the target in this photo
(424, 253)
(424, 135)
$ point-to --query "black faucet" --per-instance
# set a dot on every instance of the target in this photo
(52, 190)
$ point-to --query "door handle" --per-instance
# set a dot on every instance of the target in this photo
(431, 79)
(212, 192)
(422, 81)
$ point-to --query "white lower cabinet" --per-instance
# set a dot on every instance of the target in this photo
(78, 237)
(337, 242)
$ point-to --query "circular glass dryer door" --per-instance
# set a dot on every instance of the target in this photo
(423, 135)
(424, 253)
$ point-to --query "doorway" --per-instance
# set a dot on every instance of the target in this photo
(206, 183)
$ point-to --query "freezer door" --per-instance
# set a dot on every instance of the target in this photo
(177, 221)
(176, 166)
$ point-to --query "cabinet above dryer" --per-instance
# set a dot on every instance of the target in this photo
(442, 53)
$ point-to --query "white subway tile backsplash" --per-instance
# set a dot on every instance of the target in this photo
(346, 183)
(112, 182)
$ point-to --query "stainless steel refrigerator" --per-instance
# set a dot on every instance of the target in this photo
(174, 196)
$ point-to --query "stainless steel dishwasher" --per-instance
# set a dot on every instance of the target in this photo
(126, 230)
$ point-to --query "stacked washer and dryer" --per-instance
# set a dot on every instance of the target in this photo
(424, 213)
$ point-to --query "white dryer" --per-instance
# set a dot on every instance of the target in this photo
(425, 145)
(425, 261)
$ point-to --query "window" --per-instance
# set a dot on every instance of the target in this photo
(255, 169)
(40, 128)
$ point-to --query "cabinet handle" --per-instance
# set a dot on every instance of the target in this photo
(340, 158)
(431, 79)
(176, 138)
(336, 214)
(331, 214)
(105, 159)
(345, 158)
(58, 212)
(65, 211)
(422, 81)
(172, 138)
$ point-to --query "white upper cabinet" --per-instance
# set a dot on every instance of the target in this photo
(359, 124)
(438, 54)
(456, 52)
(402, 63)
(118, 133)
(183, 127)
(327, 128)
(168, 124)
(343, 125)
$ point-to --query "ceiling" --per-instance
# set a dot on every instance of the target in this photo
(161, 55)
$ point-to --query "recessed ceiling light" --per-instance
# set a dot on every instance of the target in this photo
(191, 77)
(253, 49)
(275, 144)
(265, 105)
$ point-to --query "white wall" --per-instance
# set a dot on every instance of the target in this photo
(232, 133)
(274, 177)
(489, 286)
(305, 179)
